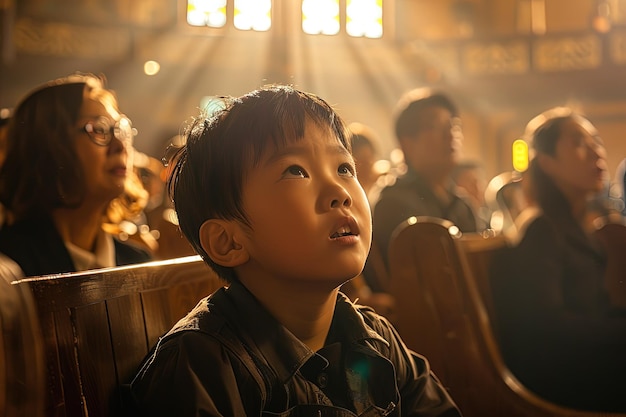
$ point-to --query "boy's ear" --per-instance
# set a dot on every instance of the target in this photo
(219, 240)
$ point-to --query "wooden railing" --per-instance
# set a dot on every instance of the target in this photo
(98, 325)
(440, 282)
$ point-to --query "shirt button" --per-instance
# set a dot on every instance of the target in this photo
(322, 380)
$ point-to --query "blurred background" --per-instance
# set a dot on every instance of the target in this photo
(502, 61)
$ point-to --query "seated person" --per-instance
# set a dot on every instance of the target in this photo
(468, 176)
(429, 134)
(67, 164)
(266, 192)
(559, 334)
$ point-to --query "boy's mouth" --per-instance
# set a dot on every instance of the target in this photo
(343, 231)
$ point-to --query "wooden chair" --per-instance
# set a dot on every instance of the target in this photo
(441, 314)
(506, 395)
(505, 198)
(22, 367)
(476, 250)
(98, 326)
(429, 309)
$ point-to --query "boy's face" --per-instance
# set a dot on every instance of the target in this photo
(310, 217)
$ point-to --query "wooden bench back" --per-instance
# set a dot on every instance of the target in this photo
(478, 250)
(22, 366)
(430, 315)
(441, 313)
(504, 394)
(98, 326)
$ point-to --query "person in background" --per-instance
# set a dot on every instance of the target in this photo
(428, 130)
(67, 164)
(469, 179)
(365, 152)
(160, 217)
(266, 191)
(559, 332)
(369, 286)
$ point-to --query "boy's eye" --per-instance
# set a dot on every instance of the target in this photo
(346, 170)
(295, 171)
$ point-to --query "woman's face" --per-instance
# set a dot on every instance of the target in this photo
(105, 167)
(578, 166)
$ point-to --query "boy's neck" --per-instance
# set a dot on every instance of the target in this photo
(305, 312)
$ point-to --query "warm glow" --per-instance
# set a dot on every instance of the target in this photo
(211, 104)
(151, 67)
(364, 18)
(206, 13)
(253, 15)
(320, 17)
(520, 155)
(454, 231)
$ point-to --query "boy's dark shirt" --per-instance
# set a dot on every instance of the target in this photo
(410, 196)
(37, 247)
(270, 372)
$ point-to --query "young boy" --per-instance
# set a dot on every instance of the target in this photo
(266, 192)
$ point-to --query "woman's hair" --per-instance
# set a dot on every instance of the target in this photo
(129, 204)
(541, 188)
(209, 172)
(41, 172)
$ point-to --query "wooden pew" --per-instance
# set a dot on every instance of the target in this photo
(441, 313)
(429, 311)
(98, 325)
(22, 367)
(476, 251)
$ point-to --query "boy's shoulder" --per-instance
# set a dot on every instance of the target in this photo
(209, 326)
(210, 317)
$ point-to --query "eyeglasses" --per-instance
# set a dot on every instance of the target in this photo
(101, 131)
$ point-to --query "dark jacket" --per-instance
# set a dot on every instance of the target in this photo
(36, 246)
(230, 357)
(410, 196)
(557, 331)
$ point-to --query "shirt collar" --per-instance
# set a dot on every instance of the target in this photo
(283, 351)
(102, 257)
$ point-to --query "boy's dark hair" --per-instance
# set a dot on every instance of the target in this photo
(411, 105)
(209, 172)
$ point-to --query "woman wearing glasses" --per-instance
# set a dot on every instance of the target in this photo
(67, 168)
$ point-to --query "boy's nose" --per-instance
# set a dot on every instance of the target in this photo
(347, 202)
(341, 199)
(333, 195)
